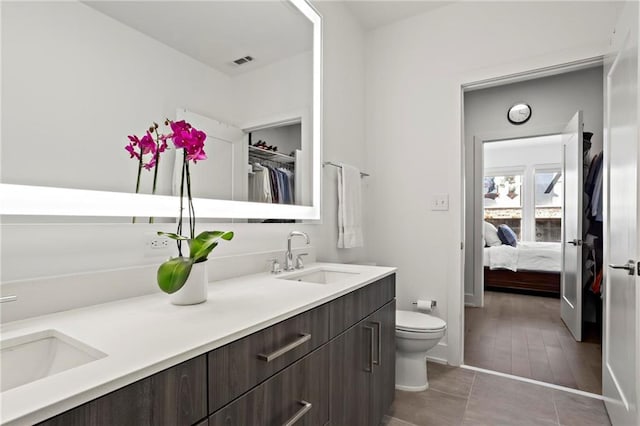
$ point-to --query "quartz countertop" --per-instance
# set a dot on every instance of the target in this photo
(144, 335)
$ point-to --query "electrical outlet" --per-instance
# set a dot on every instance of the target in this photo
(440, 202)
(156, 244)
(159, 243)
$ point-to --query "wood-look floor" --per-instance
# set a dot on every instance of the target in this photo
(523, 335)
(458, 396)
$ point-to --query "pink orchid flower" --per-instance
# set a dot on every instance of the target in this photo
(147, 144)
(134, 140)
(132, 151)
(151, 163)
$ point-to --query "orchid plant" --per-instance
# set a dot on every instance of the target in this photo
(173, 274)
(149, 144)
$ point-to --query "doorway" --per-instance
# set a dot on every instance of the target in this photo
(513, 290)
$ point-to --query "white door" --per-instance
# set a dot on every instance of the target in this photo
(571, 279)
(621, 320)
(224, 175)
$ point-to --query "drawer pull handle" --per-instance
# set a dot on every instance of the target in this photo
(306, 406)
(304, 337)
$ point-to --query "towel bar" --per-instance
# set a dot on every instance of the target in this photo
(329, 163)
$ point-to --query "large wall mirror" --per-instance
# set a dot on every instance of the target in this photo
(79, 77)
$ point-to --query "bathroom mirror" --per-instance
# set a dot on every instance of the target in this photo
(79, 77)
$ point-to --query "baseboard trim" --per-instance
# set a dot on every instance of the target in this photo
(439, 353)
(534, 382)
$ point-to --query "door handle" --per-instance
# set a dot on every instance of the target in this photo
(630, 267)
(575, 242)
(369, 368)
(379, 349)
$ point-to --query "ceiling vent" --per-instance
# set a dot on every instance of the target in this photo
(243, 60)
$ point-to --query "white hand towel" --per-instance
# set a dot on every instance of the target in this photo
(349, 207)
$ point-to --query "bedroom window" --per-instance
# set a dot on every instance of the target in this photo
(502, 199)
(548, 205)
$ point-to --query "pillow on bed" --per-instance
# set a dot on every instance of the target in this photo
(507, 236)
(491, 235)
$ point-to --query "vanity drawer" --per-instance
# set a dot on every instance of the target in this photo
(176, 396)
(351, 308)
(299, 394)
(239, 366)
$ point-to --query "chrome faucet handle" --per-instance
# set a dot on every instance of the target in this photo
(5, 299)
(299, 263)
(275, 266)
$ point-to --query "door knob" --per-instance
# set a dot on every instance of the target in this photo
(629, 266)
(575, 242)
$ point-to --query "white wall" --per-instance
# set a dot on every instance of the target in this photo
(525, 154)
(77, 82)
(415, 69)
(37, 250)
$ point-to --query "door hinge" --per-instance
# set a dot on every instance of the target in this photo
(461, 246)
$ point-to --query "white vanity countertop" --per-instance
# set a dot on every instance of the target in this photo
(144, 335)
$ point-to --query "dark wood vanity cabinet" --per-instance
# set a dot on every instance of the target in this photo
(363, 370)
(245, 363)
(176, 396)
(299, 394)
(334, 364)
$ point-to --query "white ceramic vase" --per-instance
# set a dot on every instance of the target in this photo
(194, 291)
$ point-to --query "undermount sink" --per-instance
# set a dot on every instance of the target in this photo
(320, 276)
(30, 357)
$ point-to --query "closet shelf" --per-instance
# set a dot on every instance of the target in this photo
(269, 155)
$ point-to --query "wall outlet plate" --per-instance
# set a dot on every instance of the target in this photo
(156, 245)
(440, 202)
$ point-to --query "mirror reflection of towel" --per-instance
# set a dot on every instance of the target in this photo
(349, 207)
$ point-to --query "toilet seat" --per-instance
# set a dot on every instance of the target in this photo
(417, 322)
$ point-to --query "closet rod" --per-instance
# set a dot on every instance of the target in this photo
(329, 163)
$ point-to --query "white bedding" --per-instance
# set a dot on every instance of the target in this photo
(529, 256)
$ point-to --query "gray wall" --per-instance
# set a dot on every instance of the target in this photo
(554, 100)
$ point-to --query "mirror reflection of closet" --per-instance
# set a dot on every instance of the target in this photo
(275, 154)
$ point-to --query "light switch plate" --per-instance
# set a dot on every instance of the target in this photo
(440, 202)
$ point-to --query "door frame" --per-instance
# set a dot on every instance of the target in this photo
(456, 303)
(473, 241)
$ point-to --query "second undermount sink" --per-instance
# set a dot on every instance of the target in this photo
(321, 276)
(25, 359)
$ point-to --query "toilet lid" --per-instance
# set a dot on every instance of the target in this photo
(416, 321)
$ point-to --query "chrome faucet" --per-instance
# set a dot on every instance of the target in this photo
(5, 299)
(288, 264)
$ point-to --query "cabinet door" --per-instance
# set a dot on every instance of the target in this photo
(353, 307)
(351, 371)
(384, 361)
(298, 394)
(176, 396)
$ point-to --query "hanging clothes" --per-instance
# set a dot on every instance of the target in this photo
(260, 185)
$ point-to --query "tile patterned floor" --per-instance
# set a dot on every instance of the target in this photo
(523, 335)
(458, 396)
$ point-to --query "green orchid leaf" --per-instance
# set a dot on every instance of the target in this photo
(173, 273)
(205, 242)
(172, 235)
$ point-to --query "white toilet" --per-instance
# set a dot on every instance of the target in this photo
(416, 333)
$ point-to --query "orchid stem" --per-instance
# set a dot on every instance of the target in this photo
(181, 201)
(155, 169)
(192, 221)
(138, 181)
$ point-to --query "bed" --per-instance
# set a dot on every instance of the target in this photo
(530, 267)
